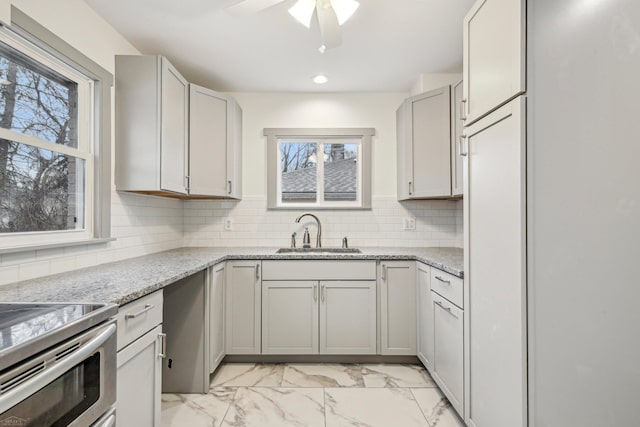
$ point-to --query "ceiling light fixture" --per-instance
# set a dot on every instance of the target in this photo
(320, 79)
(303, 10)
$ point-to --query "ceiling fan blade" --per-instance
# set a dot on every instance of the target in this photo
(329, 27)
(247, 7)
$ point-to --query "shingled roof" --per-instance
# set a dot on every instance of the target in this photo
(340, 182)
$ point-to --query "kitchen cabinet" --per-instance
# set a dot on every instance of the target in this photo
(495, 278)
(319, 307)
(448, 365)
(448, 335)
(425, 316)
(290, 321)
(457, 125)
(423, 126)
(398, 308)
(215, 144)
(139, 362)
(216, 315)
(493, 55)
(243, 307)
(185, 318)
(151, 126)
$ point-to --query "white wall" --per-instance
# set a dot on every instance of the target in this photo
(438, 222)
(141, 224)
(432, 81)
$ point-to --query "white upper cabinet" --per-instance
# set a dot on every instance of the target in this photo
(151, 116)
(172, 138)
(423, 125)
(215, 141)
(493, 56)
(457, 126)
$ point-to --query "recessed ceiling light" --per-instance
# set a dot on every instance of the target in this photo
(320, 79)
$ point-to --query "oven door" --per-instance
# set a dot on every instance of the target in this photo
(72, 384)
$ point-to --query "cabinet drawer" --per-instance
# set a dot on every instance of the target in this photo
(319, 270)
(138, 317)
(447, 285)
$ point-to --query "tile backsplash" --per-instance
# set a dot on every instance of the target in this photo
(438, 223)
(145, 224)
(140, 224)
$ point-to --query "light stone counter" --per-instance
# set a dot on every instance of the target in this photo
(124, 281)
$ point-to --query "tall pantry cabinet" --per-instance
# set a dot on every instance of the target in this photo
(494, 149)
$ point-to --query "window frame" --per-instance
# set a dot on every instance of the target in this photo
(94, 134)
(364, 138)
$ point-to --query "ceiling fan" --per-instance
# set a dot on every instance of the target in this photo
(331, 15)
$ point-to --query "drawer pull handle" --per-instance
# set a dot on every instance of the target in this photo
(315, 292)
(446, 308)
(163, 345)
(448, 282)
(257, 271)
(146, 308)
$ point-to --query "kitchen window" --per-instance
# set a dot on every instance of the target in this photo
(319, 168)
(52, 159)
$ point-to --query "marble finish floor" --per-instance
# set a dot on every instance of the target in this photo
(310, 395)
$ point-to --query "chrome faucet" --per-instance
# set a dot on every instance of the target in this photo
(319, 236)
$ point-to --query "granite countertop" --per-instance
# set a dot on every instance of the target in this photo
(124, 281)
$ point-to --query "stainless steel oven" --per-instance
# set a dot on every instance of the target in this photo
(66, 374)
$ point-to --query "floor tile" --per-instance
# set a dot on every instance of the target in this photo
(436, 408)
(248, 375)
(396, 376)
(195, 410)
(276, 407)
(372, 407)
(324, 375)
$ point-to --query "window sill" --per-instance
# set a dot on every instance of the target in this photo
(55, 245)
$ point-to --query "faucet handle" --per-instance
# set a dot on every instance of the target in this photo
(345, 243)
(293, 240)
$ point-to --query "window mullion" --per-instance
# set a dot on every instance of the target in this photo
(39, 143)
(320, 174)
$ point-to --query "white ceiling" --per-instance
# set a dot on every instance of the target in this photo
(387, 44)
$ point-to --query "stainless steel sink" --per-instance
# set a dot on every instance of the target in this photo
(319, 251)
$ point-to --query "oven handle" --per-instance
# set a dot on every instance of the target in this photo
(48, 375)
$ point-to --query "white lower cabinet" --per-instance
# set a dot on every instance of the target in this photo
(448, 326)
(139, 362)
(140, 382)
(319, 307)
(425, 316)
(348, 317)
(319, 317)
(243, 305)
(290, 317)
(398, 308)
(216, 315)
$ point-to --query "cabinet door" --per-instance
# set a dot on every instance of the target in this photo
(208, 135)
(348, 317)
(425, 316)
(404, 151)
(398, 308)
(431, 144)
(216, 316)
(493, 55)
(448, 369)
(457, 124)
(243, 307)
(139, 380)
(234, 150)
(495, 280)
(290, 317)
(174, 112)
